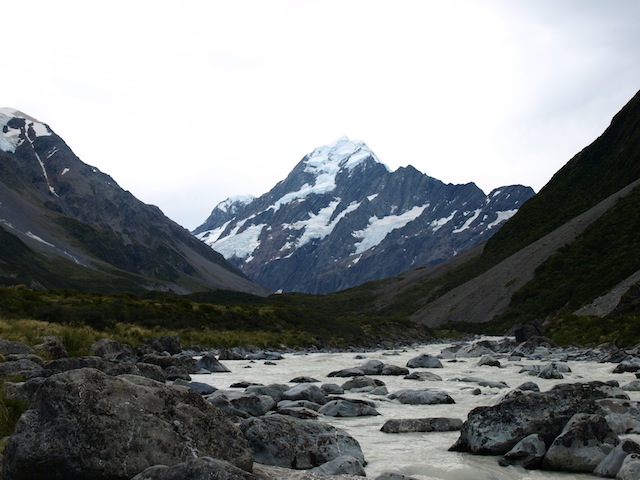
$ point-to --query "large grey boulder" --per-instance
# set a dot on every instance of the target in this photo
(424, 361)
(211, 364)
(409, 425)
(347, 408)
(52, 346)
(494, 430)
(421, 397)
(341, 465)
(623, 416)
(612, 463)
(630, 469)
(111, 350)
(274, 390)
(270, 472)
(23, 368)
(203, 468)
(583, 443)
(86, 424)
(289, 442)
(423, 377)
(362, 384)
(528, 453)
(242, 404)
(8, 347)
(305, 391)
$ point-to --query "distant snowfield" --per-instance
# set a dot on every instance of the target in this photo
(379, 228)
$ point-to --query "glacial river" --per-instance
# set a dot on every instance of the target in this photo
(420, 455)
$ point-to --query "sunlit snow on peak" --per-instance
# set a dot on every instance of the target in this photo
(232, 202)
(340, 154)
(324, 163)
(10, 137)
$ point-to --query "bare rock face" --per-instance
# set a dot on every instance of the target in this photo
(288, 442)
(86, 424)
(496, 429)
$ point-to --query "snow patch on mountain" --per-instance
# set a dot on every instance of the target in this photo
(10, 137)
(469, 221)
(441, 222)
(379, 228)
(240, 245)
(230, 205)
(320, 225)
(502, 216)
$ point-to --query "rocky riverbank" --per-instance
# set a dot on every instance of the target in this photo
(125, 412)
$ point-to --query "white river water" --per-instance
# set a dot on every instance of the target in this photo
(420, 455)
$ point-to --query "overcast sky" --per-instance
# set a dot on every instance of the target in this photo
(187, 103)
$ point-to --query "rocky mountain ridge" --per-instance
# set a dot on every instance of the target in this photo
(67, 224)
(341, 218)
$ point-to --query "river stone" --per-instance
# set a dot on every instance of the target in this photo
(305, 391)
(421, 397)
(409, 425)
(423, 377)
(527, 453)
(496, 429)
(632, 386)
(22, 368)
(623, 416)
(628, 365)
(210, 364)
(630, 469)
(610, 466)
(484, 383)
(8, 347)
(110, 349)
(86, 424)
(394, 370)
(529, 387)
(242, 404)
(341, 465)
(274, 390)
(298, 444)
(424, 361)
(584, 442)
(551, 372)
(299, 404)
(52, 347)
(362, 383)
(372, 367)
(346, 408)
(198, 387)
(347, 372)
(331, 389)
(489, 361)
(270, 472)
(304, 379)
(203, 468)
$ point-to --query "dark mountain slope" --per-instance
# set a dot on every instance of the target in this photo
(609, 164)
(70, 212)
(581, 228)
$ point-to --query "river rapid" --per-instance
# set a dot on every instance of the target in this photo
(419, 455)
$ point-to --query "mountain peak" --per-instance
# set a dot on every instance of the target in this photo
(11, 136)
(340, 154)
(231, 204)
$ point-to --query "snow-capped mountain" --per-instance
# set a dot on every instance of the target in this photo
(66, 224)
(341, 218)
